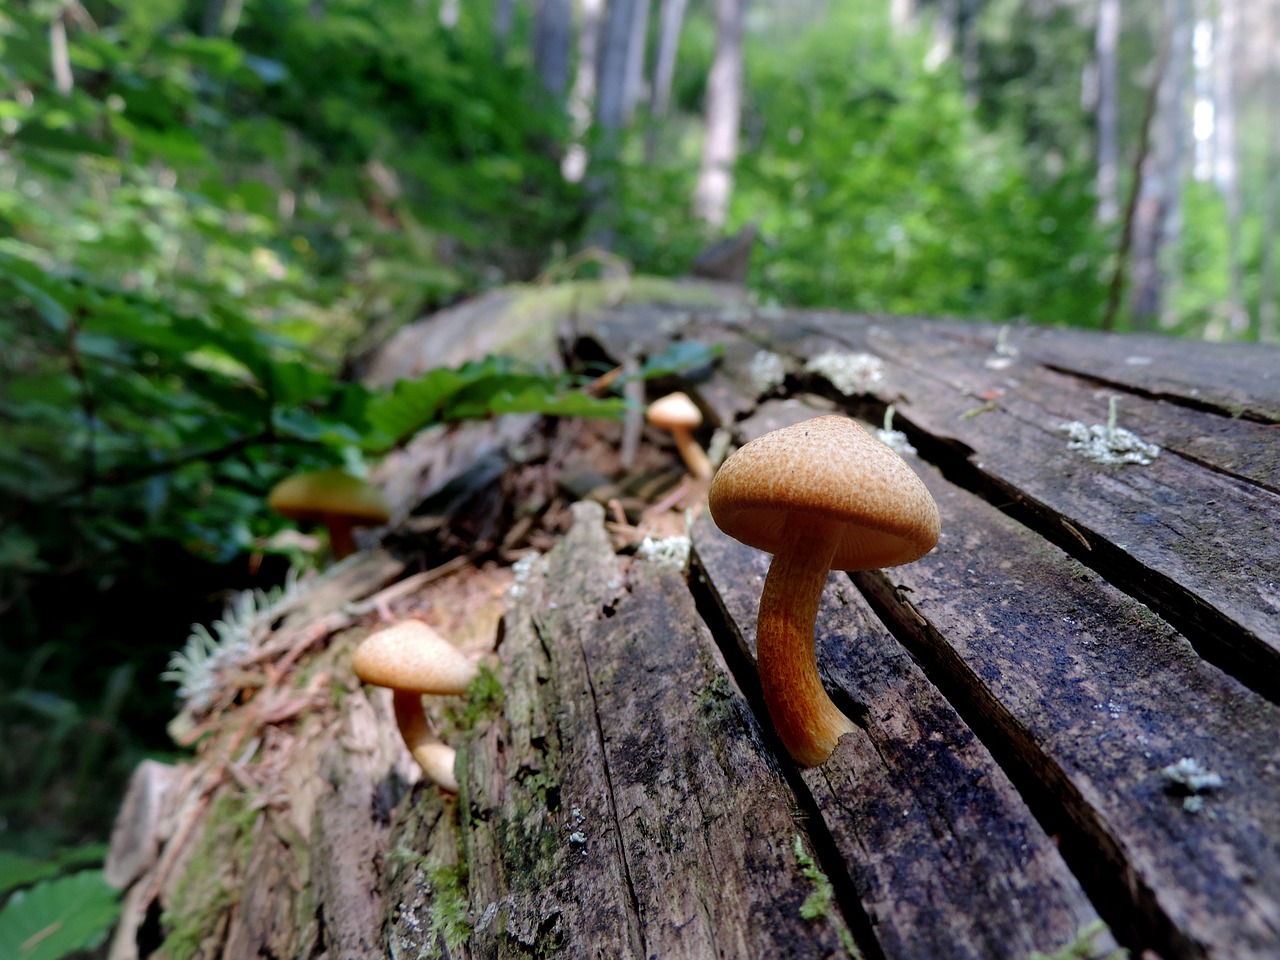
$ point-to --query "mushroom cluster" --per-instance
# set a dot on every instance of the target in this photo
(821, 495)
(412, 660)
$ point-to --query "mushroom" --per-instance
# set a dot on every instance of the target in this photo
(823, 494)
(412, 659)
(335, 498)
(679, 415)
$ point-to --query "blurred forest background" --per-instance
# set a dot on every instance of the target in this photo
(210, 208)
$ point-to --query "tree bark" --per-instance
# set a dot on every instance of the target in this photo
(1106, 57)
(504, 18)
(552, 38)
(670, 22)
(723, 113)
(582, 99)
(1159, 199)
(611, 84)
(1268, 308)
(637, 47)
(1226, 162)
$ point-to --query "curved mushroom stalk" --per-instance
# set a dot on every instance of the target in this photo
(434, 757)
(808, 723)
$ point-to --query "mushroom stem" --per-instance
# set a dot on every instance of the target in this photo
(808, 723)
(411, 718)
(342, 543)
(692, 454)
(435, 758)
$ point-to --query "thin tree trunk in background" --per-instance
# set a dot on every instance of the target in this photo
(634, 89)
(59, 58)
(583, 97)
(902, 14)
(670, 22)
(611, 72)
(1160, 186)
(1140, 166)
(1226, 162)
(610, 114)
(1173, 146)
(504, 18)
(945, 16)
(221, 17)
(1268, 308)
(1106, 53)
(723, 113)
(552, 39)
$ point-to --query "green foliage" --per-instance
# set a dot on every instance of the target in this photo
(878, 190)
(50, 913)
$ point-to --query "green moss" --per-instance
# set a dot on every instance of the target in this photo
(1083, 947)
(485, 698)
(450, 914)
(203, 898)
(818, 905)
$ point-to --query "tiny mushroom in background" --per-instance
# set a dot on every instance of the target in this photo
(335, 498)
(680, 416)
(412, 659)
(821, 495)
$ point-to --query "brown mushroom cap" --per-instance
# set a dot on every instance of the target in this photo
(412, 657)
(319, 494)
(675, 411)
(828, 467)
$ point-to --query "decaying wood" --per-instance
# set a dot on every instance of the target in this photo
(1025, 695)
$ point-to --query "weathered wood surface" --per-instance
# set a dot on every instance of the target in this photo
(1018, 693)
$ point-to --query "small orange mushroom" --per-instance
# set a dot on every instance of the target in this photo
(335, 498)
(412, 659)
(821, 495)
(680, 416)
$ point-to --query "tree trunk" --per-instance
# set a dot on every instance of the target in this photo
(552, 38)
(1106, 57)
(634, 88)
(902, 14)
(623, 793)
(670, 22)
(1227, 164)
(504, 18)
(1161, 186)
(611, 117)
(612, 71)
(1268, 308)
(582, 99)
(723, 114)
(1174, 146)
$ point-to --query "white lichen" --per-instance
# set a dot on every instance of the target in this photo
(767, 371)
(1003, 347)
(207, 655)
(850, 373)
(895, 440)
(1108, 443)
(1189, 776)
(665, 551)
(522, 571)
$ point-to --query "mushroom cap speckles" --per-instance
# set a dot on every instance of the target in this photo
(411, 656)
(827, 467)
(675, 411)
(317, 493)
